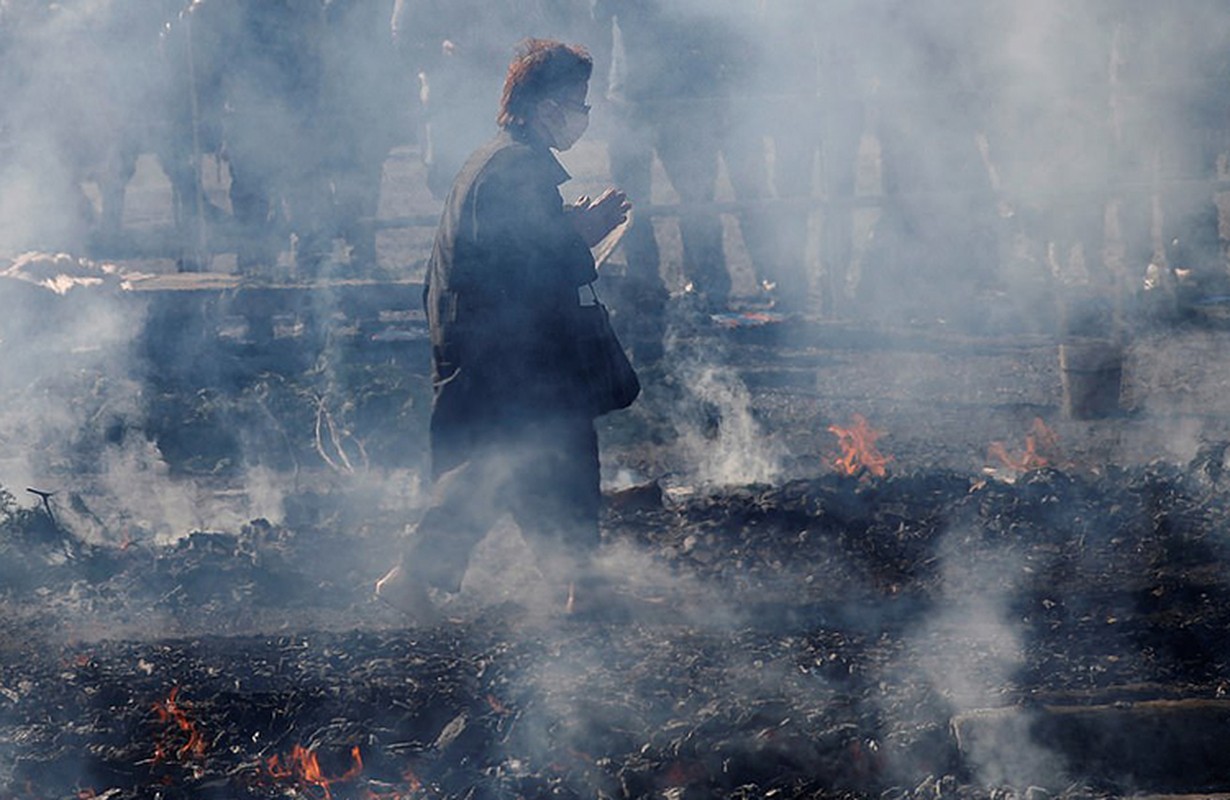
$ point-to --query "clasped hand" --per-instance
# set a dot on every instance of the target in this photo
(594, 219)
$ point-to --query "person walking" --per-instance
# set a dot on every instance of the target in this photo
(511, 427)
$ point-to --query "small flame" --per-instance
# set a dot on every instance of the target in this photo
(1041, 450)
(303, 767)
(859, 453)
(173, 713)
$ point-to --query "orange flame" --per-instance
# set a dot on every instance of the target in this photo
(174, 713)
(1041, 449)
(303, 767)
(858, 449)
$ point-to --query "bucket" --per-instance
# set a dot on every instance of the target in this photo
(1092, 374)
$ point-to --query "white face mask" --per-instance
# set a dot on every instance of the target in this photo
(575, 123)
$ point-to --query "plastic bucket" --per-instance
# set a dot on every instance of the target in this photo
(1092, 375)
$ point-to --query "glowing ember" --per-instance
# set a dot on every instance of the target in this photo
(413, 783)
(496, 705)
(859, 453)
(410, 793)
(174, 714)
(1041, 450)
(302, 767)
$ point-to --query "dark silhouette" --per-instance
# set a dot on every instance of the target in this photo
(511, 430)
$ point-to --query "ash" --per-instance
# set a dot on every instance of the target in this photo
(927, 634)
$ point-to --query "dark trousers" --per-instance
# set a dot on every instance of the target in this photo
(544, 473)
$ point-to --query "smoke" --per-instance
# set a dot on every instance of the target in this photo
(701, 701)
(75, 419)
(72, 381)
(969, 650)
(720, 438)
(967, 102)
(1011, 141)
(1002, 132)
(68, 381)
(88, 85)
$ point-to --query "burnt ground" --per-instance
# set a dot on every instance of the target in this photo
(952, 628)
(820, 637)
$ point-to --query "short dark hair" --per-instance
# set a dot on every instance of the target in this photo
(540, 69)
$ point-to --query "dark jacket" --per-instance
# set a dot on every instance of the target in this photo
(501, 297)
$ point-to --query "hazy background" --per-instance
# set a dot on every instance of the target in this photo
(992, 158)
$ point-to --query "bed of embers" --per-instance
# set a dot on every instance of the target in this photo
(1036, 632)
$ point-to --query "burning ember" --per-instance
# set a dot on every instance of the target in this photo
(1041, 450)
(303, 768)
(859, 454)
(173, 715)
